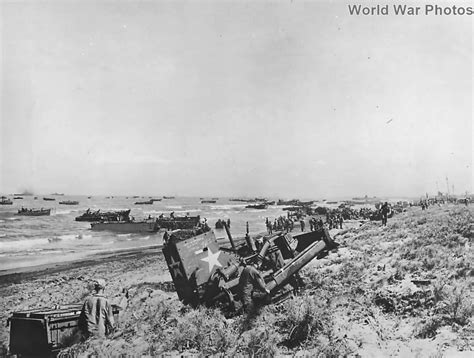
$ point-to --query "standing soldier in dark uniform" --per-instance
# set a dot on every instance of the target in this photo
(302, 224)
(385, 211)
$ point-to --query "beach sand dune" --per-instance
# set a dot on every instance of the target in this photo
(401, 290)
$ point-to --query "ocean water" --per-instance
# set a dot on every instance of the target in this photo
(27, 240)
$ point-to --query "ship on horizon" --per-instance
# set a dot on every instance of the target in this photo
(25, 193)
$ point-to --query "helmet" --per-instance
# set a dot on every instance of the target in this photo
(99, 283)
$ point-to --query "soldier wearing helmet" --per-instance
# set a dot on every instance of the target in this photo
(96, 317)
(249, 281)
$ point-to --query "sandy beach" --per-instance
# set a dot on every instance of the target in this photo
(376, 296)
(64, 283)
(123, 119)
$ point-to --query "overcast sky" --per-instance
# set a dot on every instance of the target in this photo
(289, 99)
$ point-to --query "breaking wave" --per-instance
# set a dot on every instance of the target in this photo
(22, 244)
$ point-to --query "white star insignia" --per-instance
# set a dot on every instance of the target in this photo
(212, 259)
(175, 266)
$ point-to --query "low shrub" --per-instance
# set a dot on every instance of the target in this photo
(306, 318)
(428, 328)
(203, 329)
(258, 342)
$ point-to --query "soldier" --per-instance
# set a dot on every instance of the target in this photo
(166, 237)
(250, 279)
(321, 223)
(341, 220)
(302, 224)
(96, 318)
(385, 209)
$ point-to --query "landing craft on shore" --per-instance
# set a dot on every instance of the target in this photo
(178, 222)
(122, 222)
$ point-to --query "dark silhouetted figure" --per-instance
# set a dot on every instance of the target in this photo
(385, 209)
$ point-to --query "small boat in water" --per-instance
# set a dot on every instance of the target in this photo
(168, 197)
(25, 193)
(208, 201)
(127, 226)
(5, 201)
(69, 202)
(257, 206)
(17, 197)
(155, 199)
(49, 199)
(148, 202)
(34, 212)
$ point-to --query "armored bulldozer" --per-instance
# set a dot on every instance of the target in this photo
(206, 272)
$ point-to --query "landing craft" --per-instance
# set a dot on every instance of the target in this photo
(34, 212)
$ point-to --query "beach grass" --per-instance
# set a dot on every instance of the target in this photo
(405, 289)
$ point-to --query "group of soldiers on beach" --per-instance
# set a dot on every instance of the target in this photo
(282, 223)
(334, 220)
(425, 203)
